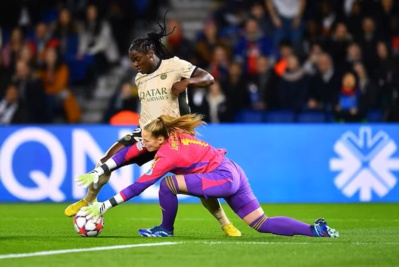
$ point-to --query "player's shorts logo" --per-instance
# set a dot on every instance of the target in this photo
(365, 163)
(164, 76)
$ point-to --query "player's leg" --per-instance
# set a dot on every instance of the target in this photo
(205, 185)
(135, 153)
(93, 192)
(247, 207)
(214, 207)
(254, 216)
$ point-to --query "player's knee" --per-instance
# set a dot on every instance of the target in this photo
(167, 186)
(258, 223)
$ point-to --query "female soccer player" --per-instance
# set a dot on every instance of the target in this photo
(162, 82)
(200, 170)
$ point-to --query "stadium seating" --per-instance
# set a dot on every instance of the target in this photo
(374, 115)
(249, 116)
(311, 117)
(279, 116)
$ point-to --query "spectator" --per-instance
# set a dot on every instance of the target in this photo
(27, 55)
(327, 16)
(368, 40)
(5, 78)
(176, 42)
(54, 75)
(386, 75)
(287, 20)
(384, 66)
(250, 45)
(258, 12)
(310, 65)
(368, 88)
(293, 86)
(119, 13)
(198, 102)
(353, 54)
(337, 43)
(11, 49)
(31, 92)
(124, 99)
(263, 83)
(42, 40)
(353, 17)
(216, 100)
(66, 31)
(385, 14)
(285, 50)
(97, 41)
(312, 35)
(11, 109)
(219, 64)
(207, 42)
(235, 89)
(324, 86)
(230, 18)
(349, 107)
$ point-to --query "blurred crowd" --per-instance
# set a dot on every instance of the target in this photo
(273, 60)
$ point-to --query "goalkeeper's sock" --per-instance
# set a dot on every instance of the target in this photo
(281, 226)
(168, 201)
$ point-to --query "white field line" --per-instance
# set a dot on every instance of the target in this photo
(291, 243)
(209, 219)
(210, 243)
(75, 250)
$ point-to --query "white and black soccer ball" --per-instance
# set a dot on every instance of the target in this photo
(87, 228)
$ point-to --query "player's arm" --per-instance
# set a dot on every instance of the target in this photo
(199, 78)
(116, 161)
(159, 168)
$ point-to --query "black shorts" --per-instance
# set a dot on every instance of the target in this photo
(130, 140)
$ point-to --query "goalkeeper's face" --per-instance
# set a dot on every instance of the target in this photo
(152, 143)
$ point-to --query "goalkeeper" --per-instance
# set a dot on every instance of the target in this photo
(162, 83)
(200, 170)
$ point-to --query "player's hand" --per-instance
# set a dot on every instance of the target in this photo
(86, 179)
(92, 211)
(179, 87)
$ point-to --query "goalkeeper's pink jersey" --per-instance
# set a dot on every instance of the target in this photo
(181, 154)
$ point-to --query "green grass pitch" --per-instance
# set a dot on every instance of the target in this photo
(369, 237)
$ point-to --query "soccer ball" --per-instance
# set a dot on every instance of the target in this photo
(87, 228)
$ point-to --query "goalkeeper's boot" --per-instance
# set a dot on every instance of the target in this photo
(156, 231)
(321, 229)
(231, 230)
(72, 209)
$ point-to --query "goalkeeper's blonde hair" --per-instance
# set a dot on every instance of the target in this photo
(165, 125)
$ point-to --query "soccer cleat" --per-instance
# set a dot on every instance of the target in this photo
(72, 209)
(231, 230)
(321, 229)
(156, 231)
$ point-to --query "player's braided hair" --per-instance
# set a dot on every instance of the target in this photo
(153, 41)
(164, 125)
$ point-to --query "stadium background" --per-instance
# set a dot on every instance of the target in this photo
(300, 136)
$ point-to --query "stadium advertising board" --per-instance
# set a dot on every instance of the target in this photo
(334, 163)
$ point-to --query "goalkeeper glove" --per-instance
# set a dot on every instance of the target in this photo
(86, 179)
(95, 210)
